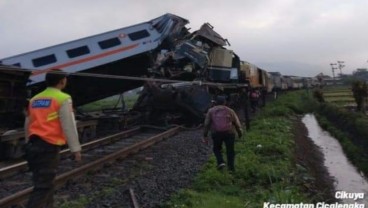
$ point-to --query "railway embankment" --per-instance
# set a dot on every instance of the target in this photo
(276, 162)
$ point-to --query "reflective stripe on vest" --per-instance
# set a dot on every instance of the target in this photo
(44, 113)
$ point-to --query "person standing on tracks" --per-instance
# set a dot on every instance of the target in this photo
(49, 125)
(263, 95)
(223, 122)
(253, 97)
(244, 99)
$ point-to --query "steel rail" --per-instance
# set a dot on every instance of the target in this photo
(23, 195)
(22, 166)
(133, 198)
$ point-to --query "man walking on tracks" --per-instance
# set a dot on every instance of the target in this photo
(244, 100)
(223, 122)
(49, 125)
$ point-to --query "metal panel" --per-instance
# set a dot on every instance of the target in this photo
(221, 57)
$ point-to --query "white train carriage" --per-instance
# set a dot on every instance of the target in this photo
(112, 52)
(89, 52)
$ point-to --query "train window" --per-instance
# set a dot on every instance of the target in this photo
(17, 65)
(138, 35)
(109, 43)
(220, 75)
(49, 59)
(75, 52)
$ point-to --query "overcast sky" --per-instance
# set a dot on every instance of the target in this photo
(296, 37)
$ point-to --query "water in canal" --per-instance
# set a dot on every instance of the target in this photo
(348, 179)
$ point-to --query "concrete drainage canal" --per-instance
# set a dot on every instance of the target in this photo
(351, 186)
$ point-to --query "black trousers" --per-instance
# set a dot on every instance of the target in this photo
(254, 105)
(246, 115)
(228, 139)
(43, 159)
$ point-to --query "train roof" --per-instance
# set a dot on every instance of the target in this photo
(153, 21)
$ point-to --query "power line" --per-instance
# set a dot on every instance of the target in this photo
(148, 79)
(340, 65)
(154, 79)
(333, 70)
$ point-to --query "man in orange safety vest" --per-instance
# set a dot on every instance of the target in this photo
(49, 125)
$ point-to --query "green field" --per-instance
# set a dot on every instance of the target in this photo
(338, 94)
(109, 103)
(340, 99)
(341, 96)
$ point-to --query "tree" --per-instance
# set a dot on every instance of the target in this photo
(361, 74)
(360, 93)
(318, 94)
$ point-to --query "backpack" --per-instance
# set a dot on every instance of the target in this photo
(254, 95)
(221, 119)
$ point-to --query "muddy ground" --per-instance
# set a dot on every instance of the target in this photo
(310, 156)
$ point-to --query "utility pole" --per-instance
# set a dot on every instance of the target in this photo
(341, 65)
(333, 66)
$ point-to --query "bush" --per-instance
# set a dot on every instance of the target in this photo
(318, 95)
(360, 93)
(353, 145)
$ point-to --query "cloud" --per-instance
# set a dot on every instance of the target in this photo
(290, 67)
(309, 32)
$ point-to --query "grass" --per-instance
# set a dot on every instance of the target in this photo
(265, 167)
(348, 127)
(82, 201)
(109, 103)
(339, 99)
(356, 153)
(335, 88)
(340, 96)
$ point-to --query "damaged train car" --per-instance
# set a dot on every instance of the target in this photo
(160, 48)
(129, 51)
(13, 100)
(201, 56)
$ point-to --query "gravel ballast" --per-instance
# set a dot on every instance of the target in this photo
(154, 174)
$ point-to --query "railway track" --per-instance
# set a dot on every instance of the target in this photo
(16, 188)
(8, 168)
(8, 163)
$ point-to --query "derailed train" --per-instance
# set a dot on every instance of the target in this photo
(161, 48)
